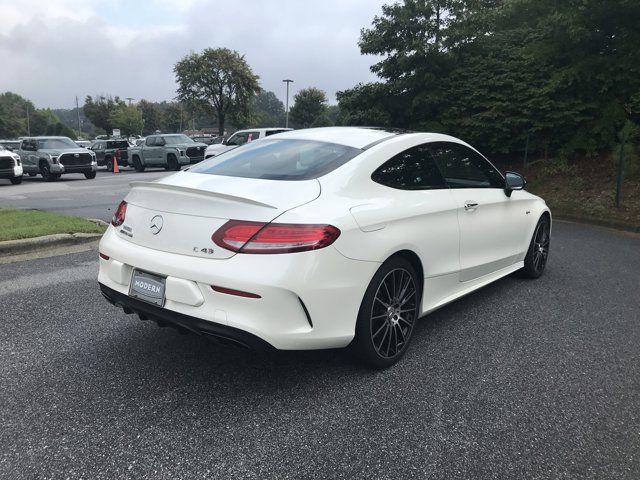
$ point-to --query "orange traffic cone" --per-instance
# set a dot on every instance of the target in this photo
(115, 164)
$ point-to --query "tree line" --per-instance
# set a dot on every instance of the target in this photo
(555, 77)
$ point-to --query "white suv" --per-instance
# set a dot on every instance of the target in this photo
(240, 138)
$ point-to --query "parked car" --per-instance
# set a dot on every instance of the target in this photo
(107, 150)
(12, 145)
(170, 151)
(54, 156)
(10, 165)
(206, 139)
(321, 238)
(240, 138)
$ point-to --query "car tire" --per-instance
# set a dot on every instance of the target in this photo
(388, 314)
(172, 163)
(31, 174)
(109, 165)
(90, 175)
(137, 164)
(45, 171)
(536, 259)
(16, 180)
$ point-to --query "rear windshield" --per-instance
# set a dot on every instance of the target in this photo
(275, 159)
(118, 144)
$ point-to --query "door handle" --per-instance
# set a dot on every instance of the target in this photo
(470, 205)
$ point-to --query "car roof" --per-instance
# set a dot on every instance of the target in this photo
(356, 137)
(269, 129)
(48, 137)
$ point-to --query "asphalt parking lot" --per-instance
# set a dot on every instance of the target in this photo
(75, 195)
(522, 379)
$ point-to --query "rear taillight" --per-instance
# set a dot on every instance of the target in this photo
(256, 237)
(118, 217)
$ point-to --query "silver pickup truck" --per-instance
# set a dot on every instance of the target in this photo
(54, 156)
(170, 151)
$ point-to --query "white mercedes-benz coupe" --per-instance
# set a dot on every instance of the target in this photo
(321, 238)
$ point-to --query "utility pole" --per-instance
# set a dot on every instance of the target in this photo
(287, 81)
(78, 113)
(28, 124)
(130, 98)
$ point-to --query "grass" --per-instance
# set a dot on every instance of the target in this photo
(584, 189)
(16, 224)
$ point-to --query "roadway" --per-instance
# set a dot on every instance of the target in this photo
(522, 379)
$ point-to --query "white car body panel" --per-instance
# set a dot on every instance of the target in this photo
(459, 249)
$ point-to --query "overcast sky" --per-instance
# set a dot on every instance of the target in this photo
(53, 50)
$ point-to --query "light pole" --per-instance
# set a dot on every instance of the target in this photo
(130, 98)
(287, 81)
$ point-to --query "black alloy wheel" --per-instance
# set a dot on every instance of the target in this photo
(172, 163)
(538, 253)
(45, 171)
(388, 314)
(137, 165)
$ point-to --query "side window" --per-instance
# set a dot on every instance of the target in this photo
(150, 142)
(251, 136)
(25, 145)
(413, 169)
(238, 139)
(268, 133)
(463, 167)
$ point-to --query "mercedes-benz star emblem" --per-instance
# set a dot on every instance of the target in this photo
(156, 224)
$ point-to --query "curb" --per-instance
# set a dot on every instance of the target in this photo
(28, 245)
(598, 223)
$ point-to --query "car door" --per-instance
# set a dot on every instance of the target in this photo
(412, 206)
(151, 151)
(28, 155)
(98, 149)
(491, 223)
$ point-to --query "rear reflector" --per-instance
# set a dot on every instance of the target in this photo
(255, 237)
(238, 293)
(104, 257)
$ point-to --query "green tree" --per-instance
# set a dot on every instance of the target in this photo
(128, 119)
(268, 110)
(309, 108)
(152, 116)
(101, 111)
(218, 79)
(13, 109)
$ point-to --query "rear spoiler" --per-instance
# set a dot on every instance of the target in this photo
(195, 191)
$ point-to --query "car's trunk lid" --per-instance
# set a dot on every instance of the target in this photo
(178, 214)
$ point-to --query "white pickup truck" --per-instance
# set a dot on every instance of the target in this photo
(240, 138)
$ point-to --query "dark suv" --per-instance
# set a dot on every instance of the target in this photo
(107, 150)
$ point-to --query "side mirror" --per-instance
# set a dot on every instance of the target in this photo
(514, 181)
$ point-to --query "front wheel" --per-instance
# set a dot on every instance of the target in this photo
(137, 164)
(16, 180)
(388, 314)
(45, 171)
(536, 259)
(90, 175)
(109, 165)
(172, 163)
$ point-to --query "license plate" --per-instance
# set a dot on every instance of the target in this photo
(147, 287)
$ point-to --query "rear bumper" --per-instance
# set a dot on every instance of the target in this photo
(307, 300)
(221, 333)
